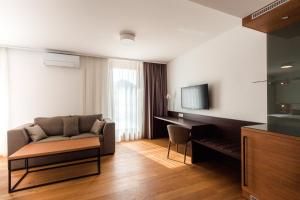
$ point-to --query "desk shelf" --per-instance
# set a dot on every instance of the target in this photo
(223, 146)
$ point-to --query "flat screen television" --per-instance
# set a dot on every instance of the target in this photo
(195, 97)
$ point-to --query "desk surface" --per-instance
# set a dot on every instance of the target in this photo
(181, 121)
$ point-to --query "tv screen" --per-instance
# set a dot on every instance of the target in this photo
(195, 97)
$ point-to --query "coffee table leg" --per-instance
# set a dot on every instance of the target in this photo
(13, 188)
(9, 176)
(26, 164)
(98, 161)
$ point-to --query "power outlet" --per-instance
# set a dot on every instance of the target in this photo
(180, 115)
(253, 198)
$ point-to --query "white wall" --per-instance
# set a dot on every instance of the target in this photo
(37, 90)
(229, 63)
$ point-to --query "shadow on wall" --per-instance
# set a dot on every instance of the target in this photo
(214, 91)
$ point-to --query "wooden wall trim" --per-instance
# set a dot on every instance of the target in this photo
(229, 128)
(272, 20)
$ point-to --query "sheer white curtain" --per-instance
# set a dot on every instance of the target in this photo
(4, 101)
(126, 102)
(95, 83)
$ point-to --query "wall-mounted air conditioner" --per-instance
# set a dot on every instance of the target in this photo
(61, 60)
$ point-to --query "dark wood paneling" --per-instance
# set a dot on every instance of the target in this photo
(272, 20)
(229, 129)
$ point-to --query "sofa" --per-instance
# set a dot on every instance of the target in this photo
(54, 128)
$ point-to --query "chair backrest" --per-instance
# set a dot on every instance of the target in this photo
(178, 134)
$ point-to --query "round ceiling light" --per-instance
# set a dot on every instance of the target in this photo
(127, 38)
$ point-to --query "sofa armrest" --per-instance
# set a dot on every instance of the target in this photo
(17, 138)
(109, 137)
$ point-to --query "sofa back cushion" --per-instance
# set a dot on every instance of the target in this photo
(86, 122)
(71, 127)
(51, 125)
(54, 125)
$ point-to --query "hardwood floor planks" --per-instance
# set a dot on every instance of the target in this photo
(138, 170)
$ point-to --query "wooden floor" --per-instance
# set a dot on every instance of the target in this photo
(138, 170)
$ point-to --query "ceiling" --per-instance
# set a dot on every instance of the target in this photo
(164, 28)
(239, 8)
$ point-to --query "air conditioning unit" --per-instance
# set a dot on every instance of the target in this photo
(61, 60)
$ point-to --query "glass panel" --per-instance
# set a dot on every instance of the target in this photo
(284, 80)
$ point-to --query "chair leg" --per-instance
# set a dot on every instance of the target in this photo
(169, 149)
(185, 148)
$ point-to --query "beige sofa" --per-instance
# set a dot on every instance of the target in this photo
(53, 127)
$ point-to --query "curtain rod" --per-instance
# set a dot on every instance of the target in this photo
(73, 53)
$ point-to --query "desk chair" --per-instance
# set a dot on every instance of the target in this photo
(178, 135)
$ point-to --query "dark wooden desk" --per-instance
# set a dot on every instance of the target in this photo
(211, 136)
(197, 128)
(181, 121)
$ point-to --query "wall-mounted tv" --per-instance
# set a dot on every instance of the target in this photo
(195, 97)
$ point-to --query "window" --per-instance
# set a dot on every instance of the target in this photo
(127, 98)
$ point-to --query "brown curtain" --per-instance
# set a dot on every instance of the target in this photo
(155, 78)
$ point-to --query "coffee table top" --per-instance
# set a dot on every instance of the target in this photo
(55, 147)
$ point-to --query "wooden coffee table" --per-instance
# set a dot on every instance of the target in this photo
(34, 150)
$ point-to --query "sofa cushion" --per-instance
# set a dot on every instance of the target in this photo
(70, 126)
(53, 138)
(51, 125)
(84, 135)
(86, 122)
(97, 127)
(36, 133)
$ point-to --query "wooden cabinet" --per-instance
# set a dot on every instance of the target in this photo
(270, 165)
